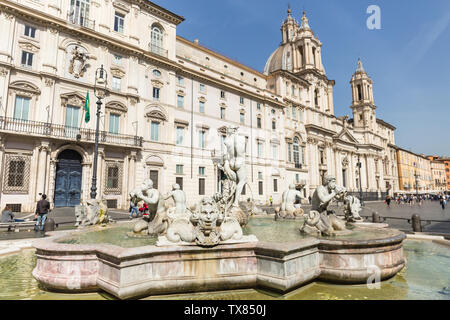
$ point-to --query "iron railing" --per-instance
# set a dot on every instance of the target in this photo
(157, 50)
(66, 132)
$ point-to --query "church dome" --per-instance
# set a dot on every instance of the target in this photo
(279, 60)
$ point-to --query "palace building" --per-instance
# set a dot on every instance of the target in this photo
(166, 108)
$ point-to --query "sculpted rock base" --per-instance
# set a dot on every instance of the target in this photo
(239, 215)
(283, 214)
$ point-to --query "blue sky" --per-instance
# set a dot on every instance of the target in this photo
(408, 58)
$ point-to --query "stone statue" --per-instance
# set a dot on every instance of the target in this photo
(321, 220)
(157, 219)
(95, 212)
(233, 165)
(352, 207)
(77, 65)
(179, 197)
(234, 161)
(288, 210)
(207, 227)
(253, 208)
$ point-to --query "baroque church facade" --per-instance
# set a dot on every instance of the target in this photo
(168, 102)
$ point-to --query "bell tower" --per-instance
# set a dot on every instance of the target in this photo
(363, 105)
(289, 28)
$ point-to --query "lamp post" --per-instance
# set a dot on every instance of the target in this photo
(417, 183)
(360, 182)
(101, 78)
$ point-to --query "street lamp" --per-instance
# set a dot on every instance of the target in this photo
(101, 80)
(417, 183)
(360, 182)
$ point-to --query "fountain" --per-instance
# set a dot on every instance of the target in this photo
(213, 245)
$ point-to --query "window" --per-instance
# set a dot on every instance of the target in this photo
(156, 94)
(117, 59)
(274, 125)
(201, 171)
(344, 178)
(116, 83)
(112, 179)
(154, 134)
(258, 122)
(201, 106)
(30, 31)
(260, 188)
(179, 169)
(202, 88)
(316, 97)
(300, 113)
(180, 134)
(259, 149)
(72, 122)
(27, 59)
(222, 113)
(296, 153)
(157, 73)
(258, 106)
(119, 20)
(242, 117)
(180, 81)
(275, 185)
(297, 178)
(260, 175)
(114, 123)
(222, 94)
(21, 108)
(156, 39)
(179, 181)
(321, 157)
(289, 152)
(79, 12)
(16, 173)
(201, 186)
(241, 100)
(180, 101)
(274, 152)
(292, 90)
(201, 139)
(154, 177)
(294, 113)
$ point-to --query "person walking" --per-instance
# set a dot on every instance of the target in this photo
(271, 200)
(42, 208)
(388, 201)
(442, 202)
(133, 208)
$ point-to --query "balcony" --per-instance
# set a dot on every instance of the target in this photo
(50, 130)
(79, 20)
(157, 50)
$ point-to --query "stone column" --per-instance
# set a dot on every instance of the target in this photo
(7, 22)
(49, 57)
(41, 169)
(131, 171)
(86, 181)
(51, 179)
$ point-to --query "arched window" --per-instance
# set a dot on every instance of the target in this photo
(157, 38)
(296, 152)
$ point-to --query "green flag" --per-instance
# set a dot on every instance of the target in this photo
(87, 117)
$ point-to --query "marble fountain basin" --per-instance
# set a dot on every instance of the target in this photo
(106, 259)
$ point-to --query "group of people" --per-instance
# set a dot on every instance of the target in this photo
(40, 215)
(414, 199)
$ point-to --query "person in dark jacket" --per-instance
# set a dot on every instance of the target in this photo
(42, 208)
